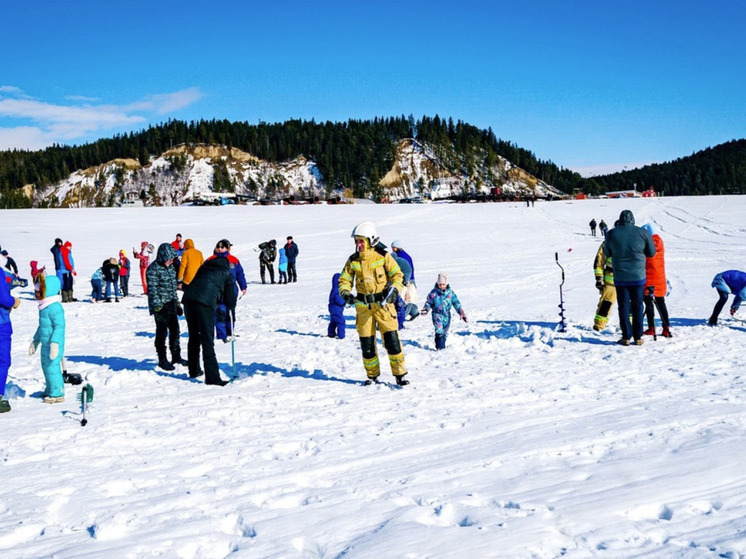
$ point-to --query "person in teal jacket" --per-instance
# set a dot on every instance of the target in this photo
(51, 336)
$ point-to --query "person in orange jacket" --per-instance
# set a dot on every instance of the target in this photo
(191, 260)
(656, 286)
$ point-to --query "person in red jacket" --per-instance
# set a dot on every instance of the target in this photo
(146, 250)
(656, 286)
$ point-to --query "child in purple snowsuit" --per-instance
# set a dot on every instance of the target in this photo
(439, 301)
(336, 308)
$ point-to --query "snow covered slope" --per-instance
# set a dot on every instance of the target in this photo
(516, 441)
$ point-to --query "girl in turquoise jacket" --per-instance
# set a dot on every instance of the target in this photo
(51, 335)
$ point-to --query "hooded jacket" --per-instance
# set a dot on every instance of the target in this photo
(191, 260)
(655, 269)
(212, 284)
(732, 281)
(162, 281)
(6, 300)
(628, 246)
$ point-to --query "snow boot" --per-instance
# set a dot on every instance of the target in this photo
(649, 332)
(54, 399)
(371, 380)
(4, 405)
(713, 321)
(623, 341)
(164, 363)
(219, 382)
(176, 358)
(401, 381)
(638, 341)
(666, 333)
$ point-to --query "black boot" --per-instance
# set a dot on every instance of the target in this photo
(71, 379)
(164, 363)
(177, 360)
(401, 381)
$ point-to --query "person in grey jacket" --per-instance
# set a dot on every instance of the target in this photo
(628, 246)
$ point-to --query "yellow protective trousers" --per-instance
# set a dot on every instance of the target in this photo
(605, 303)
(381, 317)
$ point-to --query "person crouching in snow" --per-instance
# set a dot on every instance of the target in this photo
(51, 335)
(336, 309)
(731, 281)
(439, 301)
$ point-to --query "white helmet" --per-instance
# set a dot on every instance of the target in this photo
(368, 230)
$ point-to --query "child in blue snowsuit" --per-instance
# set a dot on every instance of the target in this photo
(51, 335)
(336, 308)
(439, 301)
(732, 281)
(7, 304)
(282, 266)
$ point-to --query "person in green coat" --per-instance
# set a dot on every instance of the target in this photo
(51, 336)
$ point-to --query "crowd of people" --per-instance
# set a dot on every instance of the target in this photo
(629, 269)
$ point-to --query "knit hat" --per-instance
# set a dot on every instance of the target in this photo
(396, 243)
(650, 228)
(4, 252)
(223, 243)
(442, 278)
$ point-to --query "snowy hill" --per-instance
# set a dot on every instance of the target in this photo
(517, 441)
(187, 173)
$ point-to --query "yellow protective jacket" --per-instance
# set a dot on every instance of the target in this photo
(191, 260)
(370, 271)
(602, 267)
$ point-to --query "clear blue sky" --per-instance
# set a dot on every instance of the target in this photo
(586, 84)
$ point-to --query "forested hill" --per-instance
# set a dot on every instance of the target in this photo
(355, 154)
(717, 170)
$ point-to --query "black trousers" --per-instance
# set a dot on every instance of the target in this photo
(269, 266)
(201, 324)
(292, 275)
(167, 325)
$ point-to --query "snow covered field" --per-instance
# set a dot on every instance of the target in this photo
(516, 441)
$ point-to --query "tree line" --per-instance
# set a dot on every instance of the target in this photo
(355, 154)
(716, 170)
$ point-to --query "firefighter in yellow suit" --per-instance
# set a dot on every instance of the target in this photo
(605, 285)
(378, 280)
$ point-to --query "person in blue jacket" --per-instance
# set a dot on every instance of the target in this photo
(51, 336)
(7, 304)
(731, 281)
(282, 266)
(336, 309)
(440, 301)
(225, 315)
(399, 252)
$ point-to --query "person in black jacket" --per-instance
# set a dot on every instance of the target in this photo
(212, 284)
(266, 259)
(110, 271)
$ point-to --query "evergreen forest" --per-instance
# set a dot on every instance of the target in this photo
(356, 154)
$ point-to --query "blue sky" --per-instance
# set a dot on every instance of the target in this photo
(590, 85)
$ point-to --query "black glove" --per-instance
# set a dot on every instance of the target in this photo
(391, 296)
(600, 285)
(179, 309)
(349, 298)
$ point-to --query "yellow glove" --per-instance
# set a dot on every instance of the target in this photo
(54, 350)
(16, 302)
